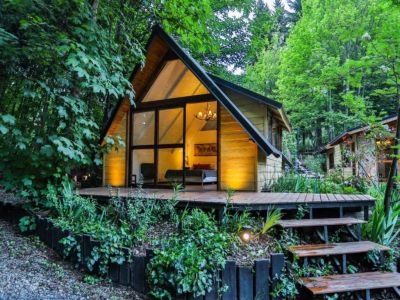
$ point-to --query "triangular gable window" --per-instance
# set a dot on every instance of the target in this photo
(175, 80)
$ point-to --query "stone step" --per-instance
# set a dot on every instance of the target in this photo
(351, 283)
(335, 249)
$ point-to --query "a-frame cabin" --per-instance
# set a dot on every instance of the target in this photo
(191, 127)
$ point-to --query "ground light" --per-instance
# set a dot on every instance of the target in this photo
(245, 234)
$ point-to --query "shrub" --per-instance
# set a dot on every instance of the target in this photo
(188, 262)
(27, 224)
(383, 228)
(297, 183)
(273, 217)
(72, 208)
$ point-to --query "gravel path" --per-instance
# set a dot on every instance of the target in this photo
(29, 270)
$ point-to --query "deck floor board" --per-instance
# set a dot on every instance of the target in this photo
(248, 200)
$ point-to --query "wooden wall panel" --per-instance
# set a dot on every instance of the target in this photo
(255, 112)
(238, 155)
(114, 162)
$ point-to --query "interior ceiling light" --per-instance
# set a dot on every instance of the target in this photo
(207, 115)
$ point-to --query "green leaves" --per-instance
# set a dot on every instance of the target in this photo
(383, 229)
(27, 223)
(188, 262)
(6, 122)
(8, 119)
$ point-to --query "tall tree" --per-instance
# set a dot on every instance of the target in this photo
(61, 64)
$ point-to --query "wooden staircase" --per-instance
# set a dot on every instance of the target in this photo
(325, 285)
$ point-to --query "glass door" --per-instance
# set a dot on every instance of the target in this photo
(143, 169)
(170, 146)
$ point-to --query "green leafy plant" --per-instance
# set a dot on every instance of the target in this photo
(27, 224)
(272, 218)
(383, 228)
(70, 244)
(302, 210)
(71, 207)
(188, 262)
(298, 183)
(90, 279)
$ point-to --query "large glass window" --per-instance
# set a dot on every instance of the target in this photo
(170, 165)
(143, 128)
(143, 168)
(173, 145)
(175, 80)
(170, 126)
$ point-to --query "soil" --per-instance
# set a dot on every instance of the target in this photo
(30, 270)
(245, 253)
(156, 233)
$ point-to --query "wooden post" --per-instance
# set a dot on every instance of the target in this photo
(213, 294)
(245, 283)
(262, 279)
(326, 238)
(85, 250)
(138, 274)
(344, 263)
(229, 279)
(366, 213)
(277, 264)
(124, 272)
(113, 272)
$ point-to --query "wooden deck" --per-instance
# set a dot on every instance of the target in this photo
(245, 200)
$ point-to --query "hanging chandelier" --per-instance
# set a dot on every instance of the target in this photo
(207, 115)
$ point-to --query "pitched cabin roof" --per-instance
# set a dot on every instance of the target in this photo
(161, 46)
(349, 132)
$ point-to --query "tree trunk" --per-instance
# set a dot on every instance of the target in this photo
(95, 7)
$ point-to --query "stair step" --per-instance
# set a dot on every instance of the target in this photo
(351, 282)
(335, 249)
(319, 222)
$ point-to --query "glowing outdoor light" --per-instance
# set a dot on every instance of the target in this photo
(383, 143)
(245, 234)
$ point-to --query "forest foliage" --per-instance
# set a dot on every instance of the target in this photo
(64, 64)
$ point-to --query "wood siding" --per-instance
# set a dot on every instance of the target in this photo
(238, 155)
(366, 165)
(255, 112)
(337, 158)
(115, 162)
(269, 169)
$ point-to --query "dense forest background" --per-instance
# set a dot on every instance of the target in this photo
(65, 63)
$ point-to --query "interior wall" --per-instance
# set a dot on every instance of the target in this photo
(238, 156)
(169, 159)
(114, 162)
(194, 135)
